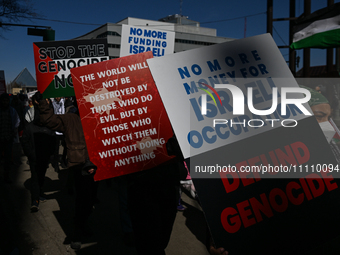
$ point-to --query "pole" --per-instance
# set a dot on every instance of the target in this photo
(270, 17)
(292, 53)
(330, 51)
(306, 52)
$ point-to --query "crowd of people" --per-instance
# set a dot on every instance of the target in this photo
(38, 123)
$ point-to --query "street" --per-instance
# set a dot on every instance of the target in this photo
(46, 231)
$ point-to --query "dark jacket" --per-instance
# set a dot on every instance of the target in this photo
(70, 125)
(37, 140)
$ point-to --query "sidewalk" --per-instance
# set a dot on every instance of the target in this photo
(45, 232)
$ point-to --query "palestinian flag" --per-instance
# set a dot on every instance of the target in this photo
(320, 29)
(54, 59)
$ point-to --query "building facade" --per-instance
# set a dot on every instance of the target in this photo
(23, 83)
(188, 33)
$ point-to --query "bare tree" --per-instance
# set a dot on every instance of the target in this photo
(12, 11)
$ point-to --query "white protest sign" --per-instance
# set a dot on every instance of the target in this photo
(254, 62)
(142, 39)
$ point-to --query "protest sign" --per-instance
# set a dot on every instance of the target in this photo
(233, 134)
(250, 210)
(125, 124)
(53, 61)
(142, 39)
(251, 62)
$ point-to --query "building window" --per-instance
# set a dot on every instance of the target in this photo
(116, 46)
(105, 34)
(193, 42)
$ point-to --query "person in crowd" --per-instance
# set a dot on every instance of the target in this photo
(29, 105)
(18, 104)
(59, 108)
(122, 183)
(70, 105)
(58, 104)
(78, 163)
(29, 114)
(320, 89)
(9, 123)
(186, 183)
(152, 201)
(322, 111)
(153, 197)
(36, 143)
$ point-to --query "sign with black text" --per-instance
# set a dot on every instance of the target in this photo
(53, 61)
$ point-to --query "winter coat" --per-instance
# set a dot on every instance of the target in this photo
(70, 125)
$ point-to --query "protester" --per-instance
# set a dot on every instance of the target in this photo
(152, 201)
(122, 183)
(9, 123)
(29, 115)
(59, 108)
(322, 111)
(29, 105)
(153, 197)
(320, 89)
(187, 184)
(36, 143)
(78, 163)
(18, 104)
(70, 105)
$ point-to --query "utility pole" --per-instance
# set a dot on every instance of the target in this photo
(291, 18)
(292, 53)
(270, 17)
(329, 58)
(306, 52)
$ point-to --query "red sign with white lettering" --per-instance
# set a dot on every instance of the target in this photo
(124, 121)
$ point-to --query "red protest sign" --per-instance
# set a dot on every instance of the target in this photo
(124, 121)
